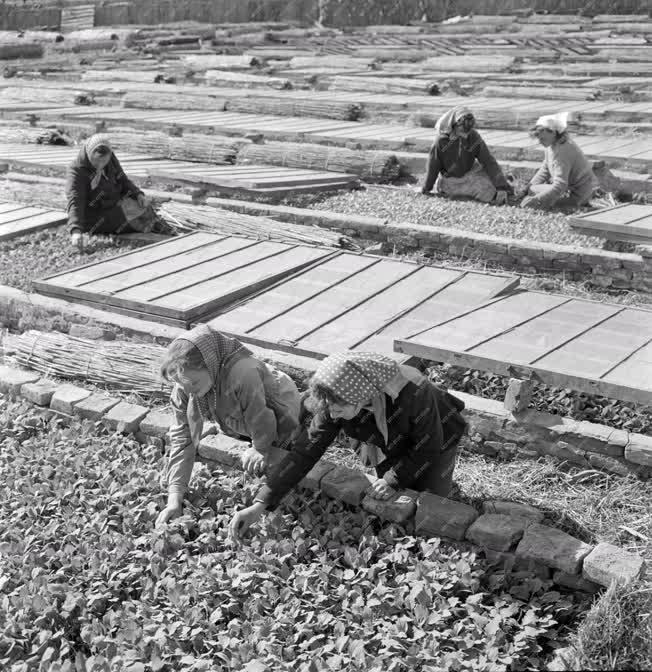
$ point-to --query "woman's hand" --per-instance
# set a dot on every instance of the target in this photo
(77, 240)
(169, 513)
(243, 520)
(381, 489)
(253, 462)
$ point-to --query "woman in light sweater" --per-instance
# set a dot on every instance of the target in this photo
(565, 179)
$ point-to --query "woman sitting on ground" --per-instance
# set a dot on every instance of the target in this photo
(101, 198)
(407, 427)
(565, 179)
(452, 167)
(217, 379)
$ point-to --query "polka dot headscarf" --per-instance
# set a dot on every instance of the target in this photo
(356, 377)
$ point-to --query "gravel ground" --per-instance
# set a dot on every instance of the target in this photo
(406, 205)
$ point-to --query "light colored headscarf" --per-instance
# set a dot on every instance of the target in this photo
(445, 123)
(215, 348)
(554, 122)
(366, 377)
(95, 141)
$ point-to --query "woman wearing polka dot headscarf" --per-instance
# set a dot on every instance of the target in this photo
(408, 430)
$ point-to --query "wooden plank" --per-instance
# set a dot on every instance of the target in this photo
(16, 215)
(31, 224)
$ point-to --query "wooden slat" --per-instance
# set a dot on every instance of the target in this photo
(31, 224)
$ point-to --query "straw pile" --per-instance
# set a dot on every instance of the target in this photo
(384, 85)
(31, 94)
(296, 107)
(148, 100)
(130, 367)
(191, 147)
(549, 92)
(21, 50)
(224, 78)
(185, 218)
(221, 61)
(371, 166)
(468, 63)
(143, 76)
(29, 135)
(332, 61)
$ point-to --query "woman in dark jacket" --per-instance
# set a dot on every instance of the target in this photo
(408, 430)
(460, 163)
(101, 198)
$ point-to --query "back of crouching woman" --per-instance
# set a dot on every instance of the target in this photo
(218, 379)
(407, 427)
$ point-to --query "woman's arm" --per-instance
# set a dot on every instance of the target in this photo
(259, 419)
(127, 187)
(182, 449)
(559, 171)
(77, 189)
(489, 163)
(542, 176)
(434, 168)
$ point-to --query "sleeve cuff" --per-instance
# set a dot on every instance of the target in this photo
(391, 479)
(266, 496)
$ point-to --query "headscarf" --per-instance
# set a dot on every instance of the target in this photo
(357, 377)
(95, 141)
(215, 349)
(445, 123)
(554, 122)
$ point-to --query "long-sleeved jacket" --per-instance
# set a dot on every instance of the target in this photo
(250, 399)
(455, 156)
(96, 210)
(566, 169)
(422, 422)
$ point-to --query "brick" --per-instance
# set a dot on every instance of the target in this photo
(553, 548)
(157, 423)
(397, 509)
(639, 449)
(12, 379)
(40, 392)
(312, 480)
(513, 509)
(66, 396)
(518, 395)
(94, 406)
(607, 563)
(575, 582)
(346, 485)
(526, 251)
(566, 452)
(125, 418)
(443, 517)
(91, 332)
(222, 448)
(497, 531)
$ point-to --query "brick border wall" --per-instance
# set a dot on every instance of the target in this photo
(510, 534)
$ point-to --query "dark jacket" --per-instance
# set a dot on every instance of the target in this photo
(454, 157)
(96, 210)
(422, 422)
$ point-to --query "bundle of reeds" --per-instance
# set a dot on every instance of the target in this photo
(185, 218)
(38, 93)
(242, 79)
(125, 36)
(30, 135)
(469, 63)
(148, 100)
(144, 76)
(547, 92)
(389, 53)
(384, 85)
(295, 107)
(126, 366)
(332, 61)
(221, 61)
(21, 50)
(371, 166)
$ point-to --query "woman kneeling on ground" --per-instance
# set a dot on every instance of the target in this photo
(407, 427)
(452, 167)
(101, 198)
(565, 179)
(217, 379)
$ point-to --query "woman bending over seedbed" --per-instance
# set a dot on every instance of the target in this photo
(460, 164)
(218, 379)
(407, 427)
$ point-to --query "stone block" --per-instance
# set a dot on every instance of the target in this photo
(567, 453)
(553, 548)
(91, 332)
(513, 509)
(639, 449)
(157, 423)
(125, 418)
(510, 563)
(397, 509)
(94, 406)
(526, 251)
(441, 517)
(607, 563)
(222, 448)
(497, 531)
(611, 464)
(66, 396)
(40, 392)
(345, 484)
(312, 480)
(597, 438)
(12, 379)
(575, 582)
(518, 395)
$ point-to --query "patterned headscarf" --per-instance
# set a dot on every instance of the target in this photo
(95, 141)
(554, 122)
(215, 348)
(444, 125)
